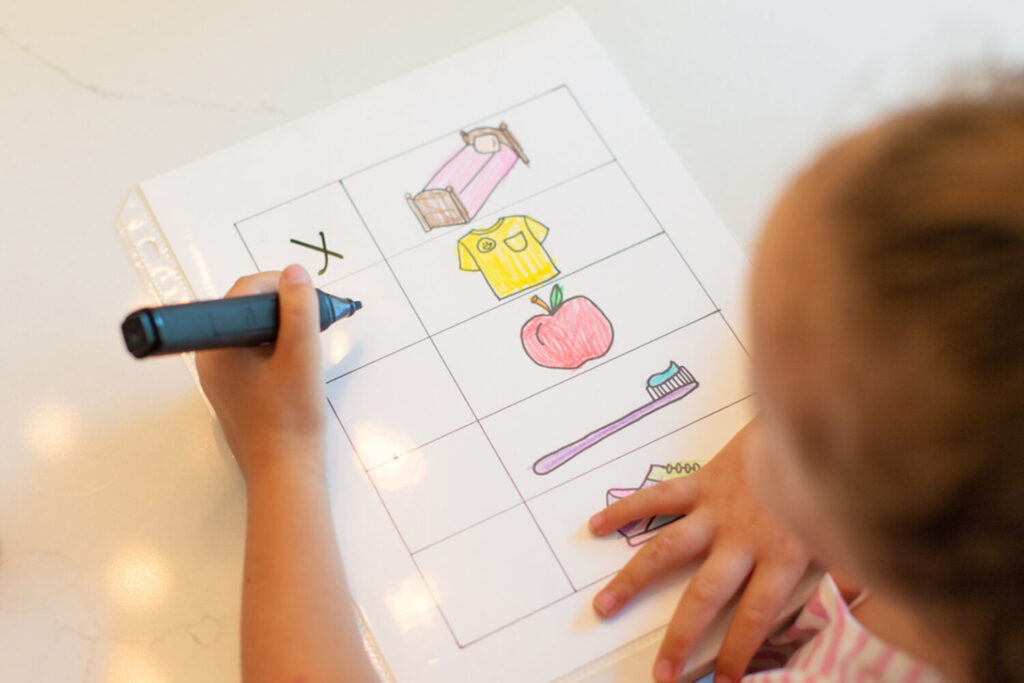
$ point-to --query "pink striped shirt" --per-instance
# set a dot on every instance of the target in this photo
(826, 643)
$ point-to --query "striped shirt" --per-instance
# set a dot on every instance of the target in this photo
(826, 643)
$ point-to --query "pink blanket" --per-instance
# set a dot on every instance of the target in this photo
(473, 175)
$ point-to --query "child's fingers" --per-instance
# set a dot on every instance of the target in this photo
(672, 547)
(258, 283)
(763, 600)
(218, 366)
(714, 584)
(298, 338)
(672, 497)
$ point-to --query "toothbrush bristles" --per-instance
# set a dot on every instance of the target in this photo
(677, 381)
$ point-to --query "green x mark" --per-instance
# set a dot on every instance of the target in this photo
(322, 248)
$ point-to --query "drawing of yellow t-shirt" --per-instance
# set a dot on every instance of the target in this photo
(509, 254)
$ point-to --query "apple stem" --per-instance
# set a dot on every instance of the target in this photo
(540, 302)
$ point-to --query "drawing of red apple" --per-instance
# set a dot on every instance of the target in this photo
(572, 332)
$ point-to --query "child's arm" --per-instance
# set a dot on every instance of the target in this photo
(297, 622)
(747, 552)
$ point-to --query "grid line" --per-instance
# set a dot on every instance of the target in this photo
(477, 419)
(406, 151)
(504, 302)
(590, 368)
(657, 220)
(387, 510)
(444, 362)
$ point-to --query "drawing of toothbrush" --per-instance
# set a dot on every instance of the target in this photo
(664, 388)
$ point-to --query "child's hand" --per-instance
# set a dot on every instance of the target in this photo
(295, 621)
(740, 539)
(271, 401)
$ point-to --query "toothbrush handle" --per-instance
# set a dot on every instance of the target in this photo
(556, 459)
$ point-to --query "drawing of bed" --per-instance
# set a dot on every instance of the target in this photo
(467, 178)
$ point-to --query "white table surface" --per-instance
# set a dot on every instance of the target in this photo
(121, 510)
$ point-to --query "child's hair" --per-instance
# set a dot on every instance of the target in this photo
(929, 225)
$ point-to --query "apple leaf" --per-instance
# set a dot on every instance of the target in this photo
(556, 297)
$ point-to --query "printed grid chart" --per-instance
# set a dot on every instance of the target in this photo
(562, 346)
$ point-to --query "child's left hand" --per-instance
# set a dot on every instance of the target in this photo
(740, 540)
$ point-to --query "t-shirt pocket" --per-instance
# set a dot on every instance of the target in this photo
(516, 242)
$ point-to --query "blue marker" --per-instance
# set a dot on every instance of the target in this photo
(238, 321)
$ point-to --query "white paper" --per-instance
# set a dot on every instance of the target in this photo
(468, 558)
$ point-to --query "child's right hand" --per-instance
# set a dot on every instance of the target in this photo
(747, 551)
(271, 401)
(296, 618)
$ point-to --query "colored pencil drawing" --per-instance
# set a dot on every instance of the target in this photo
(664, 388)
(571, 332)
(457, 190)
(510, 254)
(640, 531)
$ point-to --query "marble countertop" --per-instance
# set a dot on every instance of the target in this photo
(121, 510)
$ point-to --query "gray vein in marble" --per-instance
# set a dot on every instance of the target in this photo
(204, 631)
(57, 68)
(100, 91)
(89, 640)
(199, 631)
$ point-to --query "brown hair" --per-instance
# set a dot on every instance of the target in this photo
(931, 231)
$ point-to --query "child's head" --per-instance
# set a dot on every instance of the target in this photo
(888, 318)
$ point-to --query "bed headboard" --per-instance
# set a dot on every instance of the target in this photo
(503, 134)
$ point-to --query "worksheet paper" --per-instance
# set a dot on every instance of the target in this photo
(552, 321)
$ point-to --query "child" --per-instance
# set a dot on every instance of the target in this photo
(296, 625)
(888, 350)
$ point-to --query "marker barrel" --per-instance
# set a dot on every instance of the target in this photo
(220, 323)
